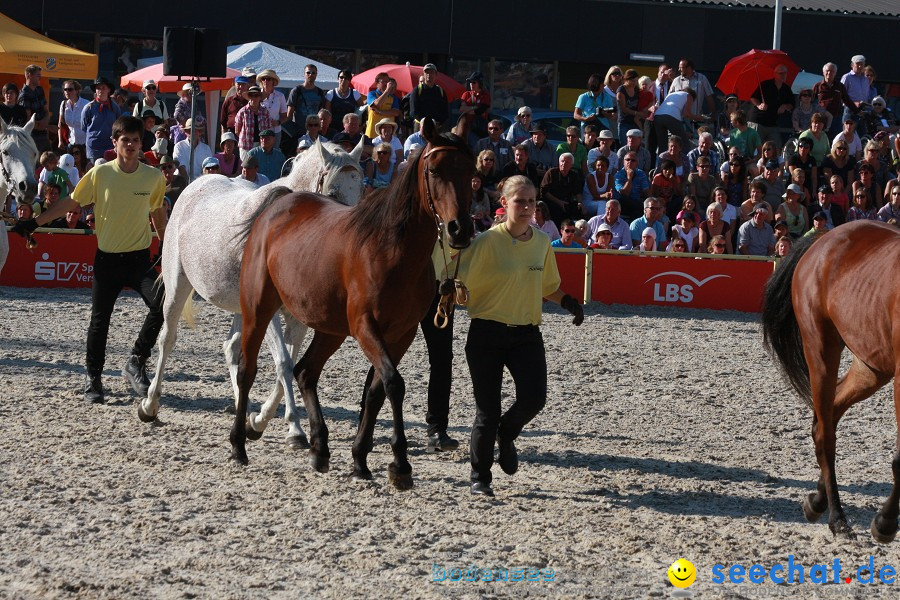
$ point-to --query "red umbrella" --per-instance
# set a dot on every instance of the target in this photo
(743, 74)
(169, 83)
(407, 77)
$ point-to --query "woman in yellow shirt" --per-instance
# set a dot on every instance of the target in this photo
(508, 270)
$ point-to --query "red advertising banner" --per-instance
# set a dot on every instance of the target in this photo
(59, 260)
(685, 282)
(571, 266)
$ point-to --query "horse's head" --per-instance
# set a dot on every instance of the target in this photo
(446, 167)
(327, 169)
(18, 158)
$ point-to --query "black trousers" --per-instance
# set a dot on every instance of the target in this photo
(490, 347)
(440, 359)
(113, 272)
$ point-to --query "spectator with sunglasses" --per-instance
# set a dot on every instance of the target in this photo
(149, 101)
(802, 115)
(70, 109)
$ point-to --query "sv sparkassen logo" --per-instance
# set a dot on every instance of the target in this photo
(672, 292)
(47, 270)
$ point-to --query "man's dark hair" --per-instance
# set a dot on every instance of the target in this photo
(127, 124)
(522, 148)
(687, 62)
(52, 184)
(758, 185)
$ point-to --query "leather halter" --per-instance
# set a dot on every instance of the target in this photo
(428, 195)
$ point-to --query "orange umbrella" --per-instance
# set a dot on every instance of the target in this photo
(169, 83)
(407, 77)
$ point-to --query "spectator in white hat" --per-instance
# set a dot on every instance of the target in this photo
(273, 101)
(229, 161)
(183, 112)
(149, 101)
(182, 153)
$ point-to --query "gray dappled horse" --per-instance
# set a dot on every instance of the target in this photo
(18, 159)
(202, 253)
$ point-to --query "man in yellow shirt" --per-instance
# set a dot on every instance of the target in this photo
(124, 193)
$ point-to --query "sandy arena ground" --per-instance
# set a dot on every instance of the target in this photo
(668, 433)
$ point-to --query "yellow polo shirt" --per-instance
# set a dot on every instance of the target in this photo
(122, 204)
(508, 279)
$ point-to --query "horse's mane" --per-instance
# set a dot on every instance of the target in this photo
(384, 214)
(243, 228)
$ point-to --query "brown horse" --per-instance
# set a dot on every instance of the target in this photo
(840, 291)
(363, 271)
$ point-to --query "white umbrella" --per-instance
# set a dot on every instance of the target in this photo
(805, 81)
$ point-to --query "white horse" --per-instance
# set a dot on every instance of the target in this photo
(201, 253)
(18, 158)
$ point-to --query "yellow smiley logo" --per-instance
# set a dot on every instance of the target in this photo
(682, 573)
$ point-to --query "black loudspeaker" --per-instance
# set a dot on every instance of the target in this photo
(178, 51)
(189, 51)
(211, 53)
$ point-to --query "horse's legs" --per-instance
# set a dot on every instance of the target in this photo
(283, 386)
(858, 383)
(884, 525)
(382, 358)
(373, 400)
(823, 355)
(232, 349)
(294, 333)
(307, 373)
(175, 296)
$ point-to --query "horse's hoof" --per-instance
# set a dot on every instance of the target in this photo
(297, 442)
(842, 530)
(143, 416)
(401, 481)
(319, 462)
(361, 475)
(811, 514)
(240, 457)
(252, 434)
(884, 534)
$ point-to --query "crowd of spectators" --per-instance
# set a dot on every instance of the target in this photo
(645, 157)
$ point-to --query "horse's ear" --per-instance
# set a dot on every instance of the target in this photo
(462, 127)
(323, 151)
(357, 152)
(29, 125)
(3, 125)
(428, 130)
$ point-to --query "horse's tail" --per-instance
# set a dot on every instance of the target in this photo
(187, 311)
(781, 333)
(243, 228)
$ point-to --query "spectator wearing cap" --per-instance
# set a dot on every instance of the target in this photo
(159, 149)
(819, 225)
(802, 115)
(149, 101)
(70, 110)
(268, 155)
(881, 118)
(541, 154)
(234, 103)
(151, 121)
(858, 88)
(612, 219)
(834, 214)
(313, 131)
(387, 129)
(634, 142)
(305, 100)
(603, 238)
(250, 172)
(274, 102)
(250, 121)
(32, 99)
(832, 96)
(773, 104)
(383, 104)
(771, 178)
(476, 104)
(97, 120)
(756, 237)
(428, 99)
(211, 166)
(182, 152)
(793, 212)
(494, 142)
(229, 161)
(250, 74)
(603, 148)
(343, 99)
(520, 130)
(303, 146)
